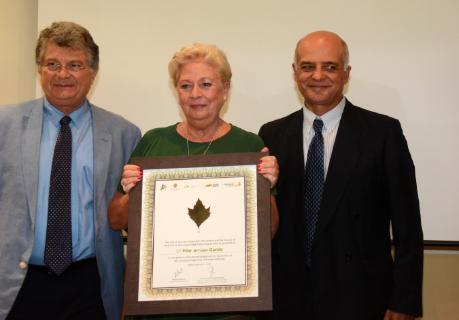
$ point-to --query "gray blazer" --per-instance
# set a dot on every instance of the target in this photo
(20, 132)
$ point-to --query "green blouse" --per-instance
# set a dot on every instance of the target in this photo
(167, 142)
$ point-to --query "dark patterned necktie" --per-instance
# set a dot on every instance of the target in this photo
(314, 183)
(58, 248)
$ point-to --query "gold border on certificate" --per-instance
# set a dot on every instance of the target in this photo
(199, 251)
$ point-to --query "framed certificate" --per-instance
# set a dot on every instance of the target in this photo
(199, 236)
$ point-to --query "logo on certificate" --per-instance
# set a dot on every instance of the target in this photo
(199, 213)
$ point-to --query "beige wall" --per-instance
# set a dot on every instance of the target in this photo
(18, 21)
(18, 31)
(402, 54)
(441, 286)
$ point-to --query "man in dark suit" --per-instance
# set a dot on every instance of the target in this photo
(346, 176)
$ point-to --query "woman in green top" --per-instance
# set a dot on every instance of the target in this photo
(201, 76)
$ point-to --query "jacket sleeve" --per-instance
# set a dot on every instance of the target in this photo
(406, 224)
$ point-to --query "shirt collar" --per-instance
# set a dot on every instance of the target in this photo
(330, 118)
(77, 116)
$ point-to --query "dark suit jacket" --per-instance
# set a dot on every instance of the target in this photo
(370, 184)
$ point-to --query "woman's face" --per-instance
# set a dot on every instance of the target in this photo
(201, 93)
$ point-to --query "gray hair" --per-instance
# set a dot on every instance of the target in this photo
(69, 35)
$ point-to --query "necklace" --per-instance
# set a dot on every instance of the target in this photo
(208, 146)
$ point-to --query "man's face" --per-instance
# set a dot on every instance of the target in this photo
(65, 88)
(319, 71)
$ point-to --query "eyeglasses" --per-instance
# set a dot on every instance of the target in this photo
(71, 66)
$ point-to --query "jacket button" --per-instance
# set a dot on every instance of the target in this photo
(22, 265)
(348, 257)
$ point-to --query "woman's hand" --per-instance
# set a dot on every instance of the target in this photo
(118, 207)
(132, 174)
(269, 168)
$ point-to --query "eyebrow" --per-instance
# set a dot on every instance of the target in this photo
(319, 62)
(70, 61)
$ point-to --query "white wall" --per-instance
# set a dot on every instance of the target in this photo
(403, 56)
(18, 24)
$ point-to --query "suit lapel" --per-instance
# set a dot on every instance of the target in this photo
(32, 120)
(102, 149)
(294, 145)
(346, 151)
(295, 159)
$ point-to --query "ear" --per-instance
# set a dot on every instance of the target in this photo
(226, 88)
(93, 75)
(347, 73)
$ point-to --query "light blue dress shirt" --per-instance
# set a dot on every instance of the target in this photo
(83, 240)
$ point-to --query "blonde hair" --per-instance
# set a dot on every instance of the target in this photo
(199, 52)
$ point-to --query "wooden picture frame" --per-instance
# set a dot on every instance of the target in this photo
(174, 240)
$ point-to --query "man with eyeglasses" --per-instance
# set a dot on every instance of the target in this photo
(346, 176)
(60, 163)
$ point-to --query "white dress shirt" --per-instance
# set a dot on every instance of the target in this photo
(331, 121)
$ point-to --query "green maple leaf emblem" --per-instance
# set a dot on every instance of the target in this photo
(199, 213)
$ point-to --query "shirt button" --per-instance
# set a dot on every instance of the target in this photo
(22, 265)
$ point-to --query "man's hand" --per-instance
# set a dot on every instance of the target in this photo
(392, 315)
